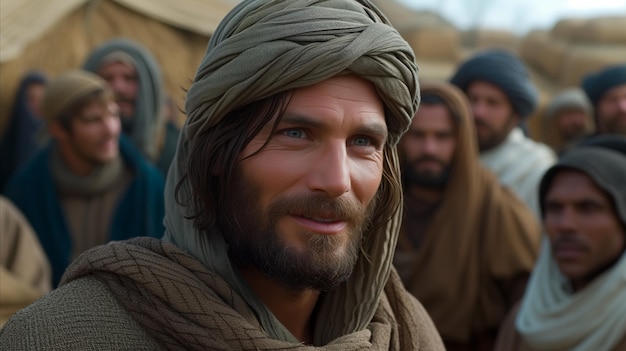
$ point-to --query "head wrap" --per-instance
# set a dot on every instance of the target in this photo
(568, 99)
(262, 48)
(504, 70)
(597, 84)
(19, 140)
(550, 314)
(67, 89)
(148, 119)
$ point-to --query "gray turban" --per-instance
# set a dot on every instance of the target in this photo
(262, 48)
(504, 70)
(265, 47)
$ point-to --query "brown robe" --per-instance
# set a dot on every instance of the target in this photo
(480, 247)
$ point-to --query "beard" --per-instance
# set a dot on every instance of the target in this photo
(427, 179)
(322, 263)
(494, 136)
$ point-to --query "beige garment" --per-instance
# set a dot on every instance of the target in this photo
(89, 217)
(509, 338)
(177, 303)
(25, 273)
(480, 244)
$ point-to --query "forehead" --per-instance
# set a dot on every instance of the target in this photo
(432, 116)
(574, 185)
(486, 89)
(341, 96)
(116, 66)
(618, 91)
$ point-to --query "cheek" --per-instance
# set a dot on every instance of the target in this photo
(366, 178)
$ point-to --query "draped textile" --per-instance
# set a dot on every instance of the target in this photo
(519, 163)
(175, 302)
(480, 240)
(262, 48)
(139, 211)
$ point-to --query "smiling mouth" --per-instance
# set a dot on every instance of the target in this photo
(321, 225)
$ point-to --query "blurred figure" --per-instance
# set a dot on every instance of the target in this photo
(88, 186)
(467, 244)
(607, 91)
(568, 118)
(135, 78)
(24, 269)
(501, 95)
(576, 298)
(19, 141)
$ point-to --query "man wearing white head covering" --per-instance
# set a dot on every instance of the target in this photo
(283, 201)
(576, 297)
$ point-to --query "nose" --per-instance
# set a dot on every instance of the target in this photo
(564, 221)
(429, 145)
(330, 172)
(112, 124)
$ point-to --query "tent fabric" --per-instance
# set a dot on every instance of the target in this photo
(23, 21)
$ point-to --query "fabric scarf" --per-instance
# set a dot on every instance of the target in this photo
(481, 233)
(260, 49)
(519, 163)
(147, 128)
(185, 306)
(550, 314)
(101, 179)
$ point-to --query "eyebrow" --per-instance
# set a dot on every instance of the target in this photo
(374, 128)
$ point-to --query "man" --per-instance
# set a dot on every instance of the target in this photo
(467, 244)
(502, 95)
(568, 119)
(135, 78)
(576, 298)
(18, 143)
(88, 186)
(283, 201)
(607, 91)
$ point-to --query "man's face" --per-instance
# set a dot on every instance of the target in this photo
(429, 146)
(307, 196)
(93, 135)
(571, 123)
(582, 225)
(493, 114)
(34, 97)
(123, 79)
(611, 111)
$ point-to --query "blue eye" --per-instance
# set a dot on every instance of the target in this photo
(362, 141)
(294, 133)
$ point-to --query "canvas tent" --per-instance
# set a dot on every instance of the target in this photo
(54, 36)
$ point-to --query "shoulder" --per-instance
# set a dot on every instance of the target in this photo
(81, 315)
(135, 160)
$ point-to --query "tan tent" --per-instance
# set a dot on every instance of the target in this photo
(54, 36)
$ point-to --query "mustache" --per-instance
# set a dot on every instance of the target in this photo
(123, 98)
(568, 241)
(319, 206)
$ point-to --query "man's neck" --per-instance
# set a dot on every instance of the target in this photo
(294, 309)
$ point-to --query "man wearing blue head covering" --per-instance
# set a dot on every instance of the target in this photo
(501, 96)
(607, 91)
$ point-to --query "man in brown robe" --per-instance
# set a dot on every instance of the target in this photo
(283, 203)
(467, 244)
